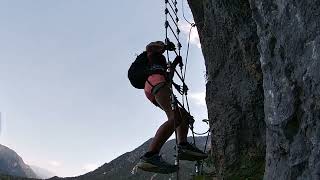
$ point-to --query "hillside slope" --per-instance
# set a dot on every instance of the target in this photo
(12, 164)
(121, 167)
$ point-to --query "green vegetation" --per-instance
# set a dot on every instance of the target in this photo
(202, 177)
(8, 177)
(248, 168)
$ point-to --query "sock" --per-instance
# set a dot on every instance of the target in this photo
(150, 153)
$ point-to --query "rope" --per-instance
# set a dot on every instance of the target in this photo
(171, 10)
(184, 15)
(173, 102)
(187, 54)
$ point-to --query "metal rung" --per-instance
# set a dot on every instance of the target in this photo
(175, 3)
(173, 9)
(173, 20)
(174, 33)
(180, 77)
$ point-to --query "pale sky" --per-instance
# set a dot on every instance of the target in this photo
(66, 103)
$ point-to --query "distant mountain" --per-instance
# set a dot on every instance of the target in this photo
(8, 177)
(121, 167)
(12, 164)
(41, 172)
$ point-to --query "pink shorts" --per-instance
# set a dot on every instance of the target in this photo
(152, 86)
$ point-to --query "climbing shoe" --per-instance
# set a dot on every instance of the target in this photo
(156, 164)
(189, 152)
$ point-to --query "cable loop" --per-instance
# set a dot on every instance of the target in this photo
(171, 10)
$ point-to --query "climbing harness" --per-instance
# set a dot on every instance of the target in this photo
(172, 31)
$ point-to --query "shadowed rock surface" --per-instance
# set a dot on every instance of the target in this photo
(234, 90)
(289, 34)
(262, 60)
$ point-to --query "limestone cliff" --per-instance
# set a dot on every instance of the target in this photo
(263, 93)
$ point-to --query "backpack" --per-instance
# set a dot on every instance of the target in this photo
(139, 71)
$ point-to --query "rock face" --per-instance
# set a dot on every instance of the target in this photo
(12, 164)
(263, 60)
(41, 172)
(289, 34)
(234, 84)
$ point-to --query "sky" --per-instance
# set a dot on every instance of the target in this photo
(65, 101)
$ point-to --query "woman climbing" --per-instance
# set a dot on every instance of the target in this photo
(157, 90)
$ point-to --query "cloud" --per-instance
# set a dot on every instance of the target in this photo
(55, 164)
(90, 167)
(199, 98)
(194, 36)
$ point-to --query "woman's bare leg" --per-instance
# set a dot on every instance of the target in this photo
(167, 128)
(183, 129)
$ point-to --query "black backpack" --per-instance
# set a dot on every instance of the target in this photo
(139, 71)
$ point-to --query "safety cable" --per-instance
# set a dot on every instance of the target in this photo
(192, 25)
(205, 147)
(184, 89)
(187, 54)
(184, 15)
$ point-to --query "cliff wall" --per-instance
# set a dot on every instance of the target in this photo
(263, 93)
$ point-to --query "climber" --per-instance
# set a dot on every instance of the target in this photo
(157, 90)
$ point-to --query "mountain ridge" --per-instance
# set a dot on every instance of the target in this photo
(12, 164)
(122, 167)
(41, 172)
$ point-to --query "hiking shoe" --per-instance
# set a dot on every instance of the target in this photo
(156, 164)
(190, 153)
